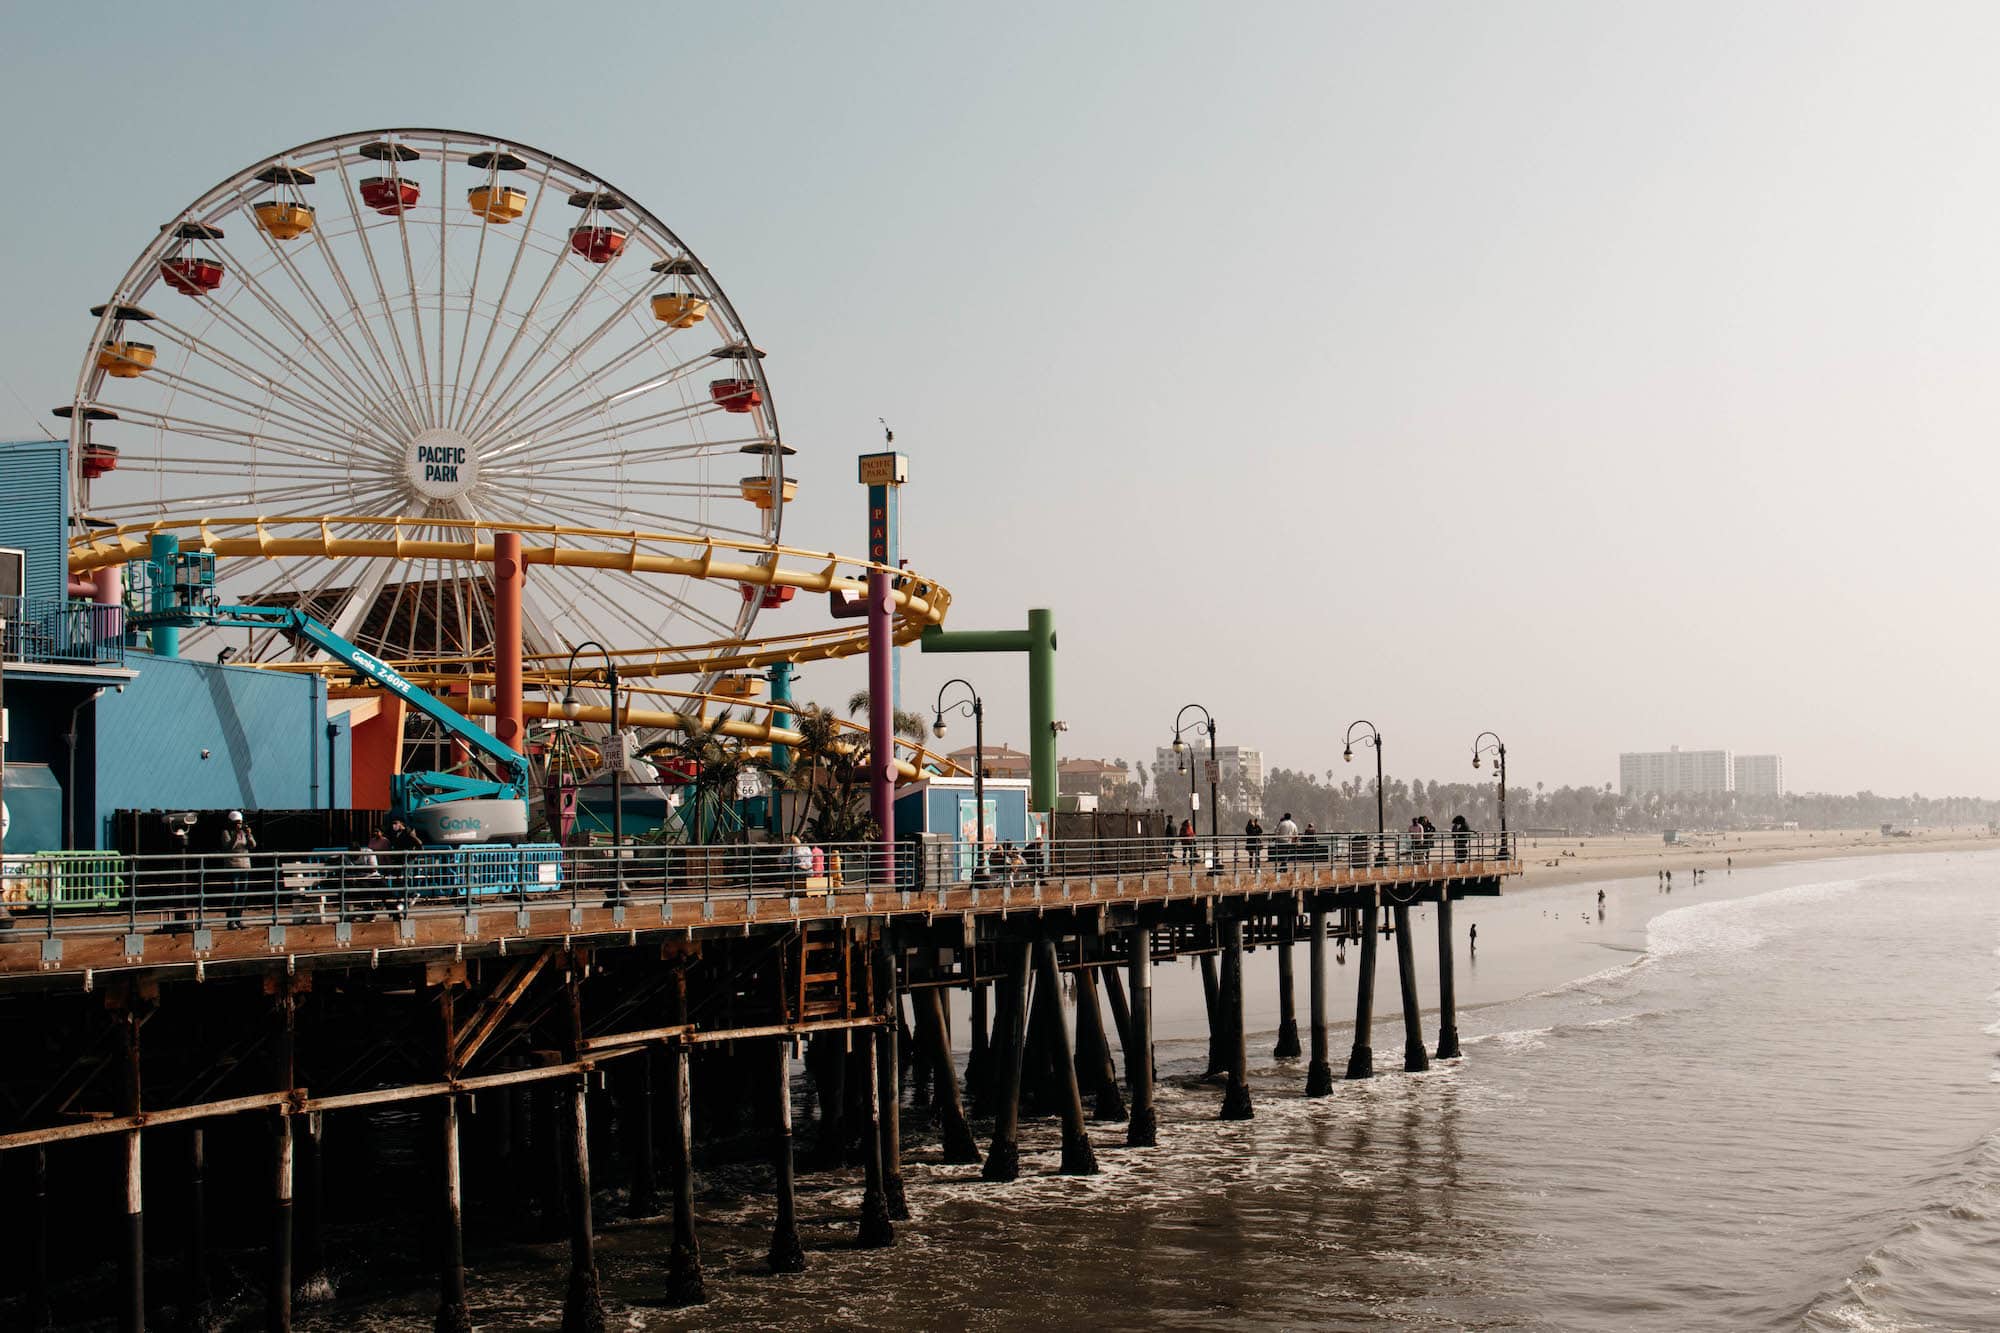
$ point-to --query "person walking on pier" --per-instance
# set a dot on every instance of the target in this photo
(1461, 837)
(1187, 840)
(1253, 841)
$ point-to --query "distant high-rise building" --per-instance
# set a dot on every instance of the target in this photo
(1760, 775)
(1240, 771)
(1677, 772)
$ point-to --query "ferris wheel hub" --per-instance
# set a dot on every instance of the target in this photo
(441, 464)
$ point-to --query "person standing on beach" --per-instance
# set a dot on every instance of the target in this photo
(1472, 937)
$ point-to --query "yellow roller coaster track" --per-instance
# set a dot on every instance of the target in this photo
(919, 602)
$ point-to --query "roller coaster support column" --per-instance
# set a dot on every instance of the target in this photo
(881, 724)
(780, 677)
(1038, 641)
(166, 638)
(508, 576)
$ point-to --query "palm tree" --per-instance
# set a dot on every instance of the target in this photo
(718, 761)
(910, 726)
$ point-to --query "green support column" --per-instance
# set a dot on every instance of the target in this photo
(781, 755)
(166, 638)
(1038, 641)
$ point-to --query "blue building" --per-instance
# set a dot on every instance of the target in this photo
(94, 723)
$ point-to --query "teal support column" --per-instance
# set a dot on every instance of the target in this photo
(166, 638)
(1038, 641)
(782, 715)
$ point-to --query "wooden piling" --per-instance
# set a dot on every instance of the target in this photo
(1415, 1060)
(278, 1295)
(1142, 1128)
(1078, 1159)
(1218, 1055)
(1003, 1156)
(454, 1314)
(960, 1148)
(1319, 1073)
(876, 1230)
(583, 1304)
(642, 1199)
(132, 1309)
(979, 1081)
(1361, 1061)
(684, 1281)
(888, 1074)
(1094, 1070)
(1287, 1047)
(1447, 1047)
(787, 1254)
(1236, 1092)
(198, 1306)
(1121, 1015)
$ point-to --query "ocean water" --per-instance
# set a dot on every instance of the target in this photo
(1767, 1101)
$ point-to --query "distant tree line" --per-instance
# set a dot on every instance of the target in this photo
(1336, 800)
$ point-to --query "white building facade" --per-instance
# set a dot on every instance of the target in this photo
(1760, 775)
(1240, 770)
(1677, 772)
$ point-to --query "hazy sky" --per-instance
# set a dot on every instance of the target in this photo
(1611, 376)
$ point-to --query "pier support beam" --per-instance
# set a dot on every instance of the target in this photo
(583, 1305)
(132, 1309)
(1236, 1093)
(1003, 1157)
(1361, 1061)
(787, 1255)
(278, 1295)
(1218, 1058)
(1287, 1047)
(1319, 1074)
(1142, 1129)
(684, 1282)
(960, 1148)
(1121, 1015)
(1077, 1157)
(1094, 1069)
(888, 1074)
(643, 1198)
(198, 1306)
(1415, 1061)
(979, 1064)
(876, 1230)
(454, 1314)
(1447, 1047)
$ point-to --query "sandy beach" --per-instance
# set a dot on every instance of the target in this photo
(1552, 861)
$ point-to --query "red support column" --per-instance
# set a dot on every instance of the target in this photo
(509, 574)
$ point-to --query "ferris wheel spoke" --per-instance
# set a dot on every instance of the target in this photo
(353, 431)
(310, 295)
(367, 330)
(540, 423)
(480, 423)
(526, 318)
(500, 305)
(686, 412)
(359, 400)
(418, 384)
(329, 434)
(656, 340)
(624, 458)
(571, 358)
(194, 428)
(374, 392)
(471, 304)
(367, 247)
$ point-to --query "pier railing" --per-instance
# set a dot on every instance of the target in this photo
(41, 630)
(64, 894)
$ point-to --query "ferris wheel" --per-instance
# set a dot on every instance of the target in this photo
(431, 324)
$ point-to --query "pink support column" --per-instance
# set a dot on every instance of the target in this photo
(507, 579)
(882, 723)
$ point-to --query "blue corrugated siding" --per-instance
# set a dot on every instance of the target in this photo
(265, 733)
(34, 507)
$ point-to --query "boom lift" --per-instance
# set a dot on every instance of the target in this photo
(441, 807)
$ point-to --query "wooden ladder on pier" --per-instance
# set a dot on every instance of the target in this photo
(825, 972)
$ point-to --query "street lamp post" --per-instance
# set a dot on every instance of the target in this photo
(978, 710)
(570, 709)
(1214, 771)
(1373, 738)
(1499, 748)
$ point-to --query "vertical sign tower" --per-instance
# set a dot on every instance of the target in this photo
(884, 474)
